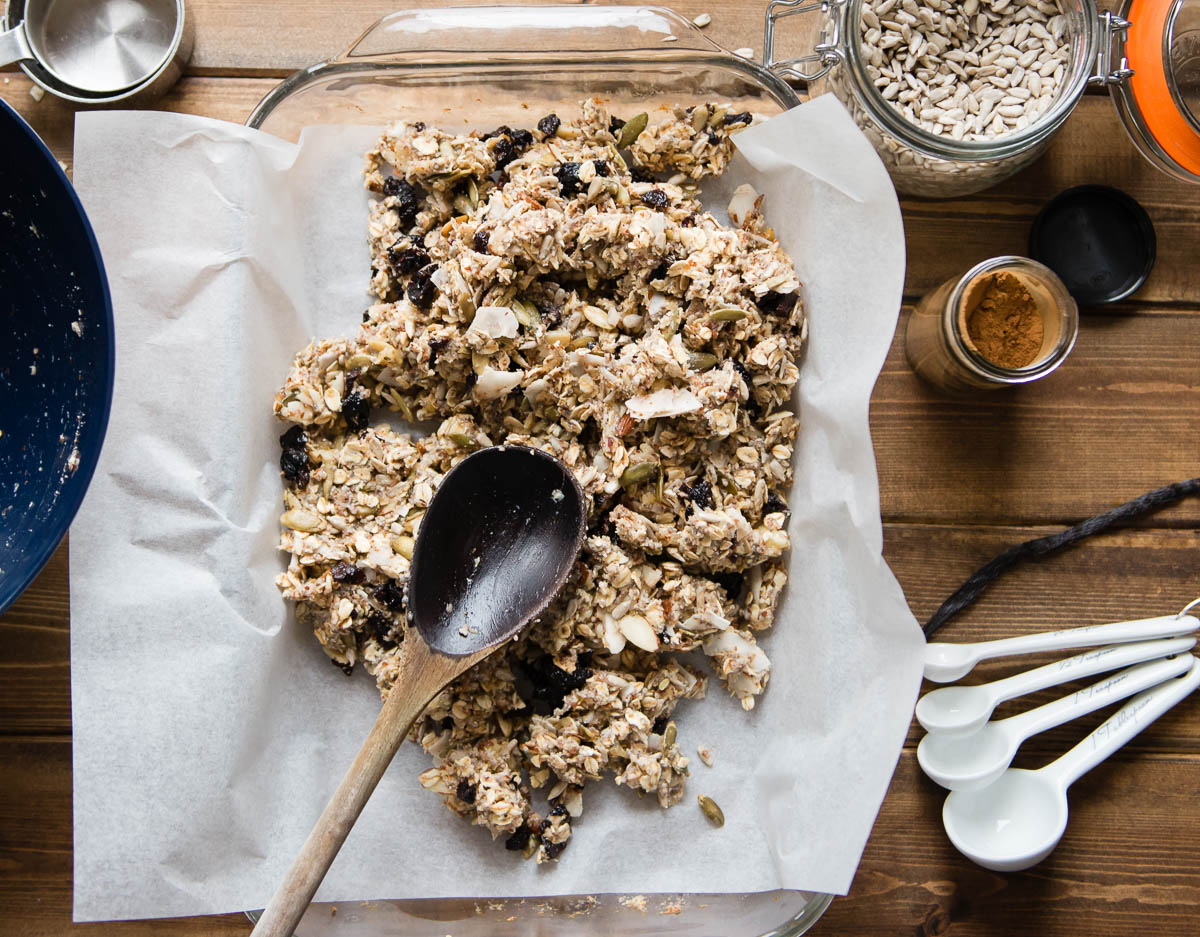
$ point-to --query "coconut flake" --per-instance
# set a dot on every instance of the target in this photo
(493, 383)
(742, 203)
(638, 632)
(495, 321)
(670, 401)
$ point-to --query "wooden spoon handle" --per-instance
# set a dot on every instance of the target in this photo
(422, 673)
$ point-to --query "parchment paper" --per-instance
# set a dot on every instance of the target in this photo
(209, 728)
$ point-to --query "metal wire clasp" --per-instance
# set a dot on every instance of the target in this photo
(827, 52)
(1112, 31)
(1187, 608)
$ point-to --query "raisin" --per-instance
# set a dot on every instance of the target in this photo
(346, 668)
(465, 791)
(347, 572)
(436, 347)
(551, 316)
(418, 125)
(777, 304)
(522, 139)
(558, 810)
(549, 125)
(774, 504)
(294, 438)
(503, 152)
(502, 131)
(713, 139)
(554, 850)
(568, 178)
(406, 199)
(614, 125)
(700, 493)
(655, 198)
(601, 166)
(421, 290)
(519, 839)
(378, 627)
(730, 582)
(745, 375)
(660, 725)
(356, 410)
(742, 118)
(390, 595)
(408, 261)
(480, 242)
(543, 685)
(294, 465)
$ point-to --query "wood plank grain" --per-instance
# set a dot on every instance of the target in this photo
(1126, 865)
(1117, 419)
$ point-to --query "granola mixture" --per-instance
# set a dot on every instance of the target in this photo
(562, 288)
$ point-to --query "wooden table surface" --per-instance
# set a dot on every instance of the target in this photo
(959, 481)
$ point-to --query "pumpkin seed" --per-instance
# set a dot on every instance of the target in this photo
(463, 440)
(700, 117)
(358, 361)
(558, 337)
(632, 129)
(297, 519)
(710, 809)
(701, 360)
(642, 471)
(717, 119)
(670, 735)
(729, 314)
(480, 362)
(473, 190)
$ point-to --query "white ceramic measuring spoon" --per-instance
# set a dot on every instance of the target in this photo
(1016, 822)
(962, 710)
(945, 663)
(975, 761)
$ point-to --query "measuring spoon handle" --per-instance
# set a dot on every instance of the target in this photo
(1086, 664)
(1117, 632)
(1123, 725)
(1117, 687)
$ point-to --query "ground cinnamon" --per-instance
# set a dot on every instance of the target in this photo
(1005, 326)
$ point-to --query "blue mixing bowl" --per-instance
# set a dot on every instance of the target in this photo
(56, 354)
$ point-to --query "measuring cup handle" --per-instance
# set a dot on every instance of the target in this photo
(14, 47)
(1123, 725)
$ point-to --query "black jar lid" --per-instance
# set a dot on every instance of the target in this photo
(1098, 240)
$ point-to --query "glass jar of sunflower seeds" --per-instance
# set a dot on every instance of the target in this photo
(955, 95)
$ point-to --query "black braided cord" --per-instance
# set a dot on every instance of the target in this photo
(970, 590)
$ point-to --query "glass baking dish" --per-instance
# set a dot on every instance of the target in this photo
(480, 67)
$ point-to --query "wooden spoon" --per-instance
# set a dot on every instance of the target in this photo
(495, 546)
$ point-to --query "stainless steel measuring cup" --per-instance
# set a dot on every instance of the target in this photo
(98, 51)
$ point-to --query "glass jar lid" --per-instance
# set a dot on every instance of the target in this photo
(1160, 102)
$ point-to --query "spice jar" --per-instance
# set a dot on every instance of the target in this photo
(1006, 321)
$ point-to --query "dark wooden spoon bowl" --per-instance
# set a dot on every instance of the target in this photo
(496, 544)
